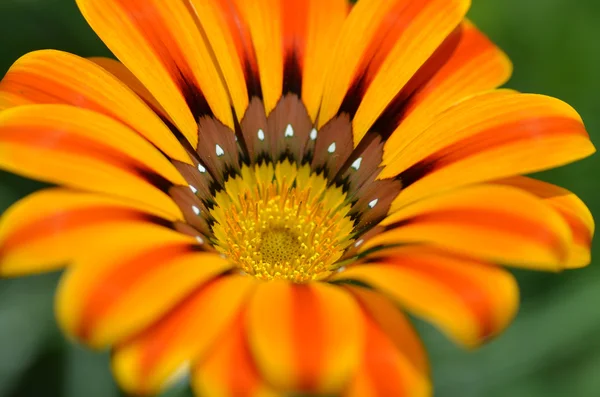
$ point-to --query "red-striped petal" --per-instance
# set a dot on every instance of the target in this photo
(469, 300)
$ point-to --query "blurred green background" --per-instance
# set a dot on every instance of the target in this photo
(551, 350)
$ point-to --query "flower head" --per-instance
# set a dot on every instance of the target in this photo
(258, 187)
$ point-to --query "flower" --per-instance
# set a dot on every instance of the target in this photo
(259, 185)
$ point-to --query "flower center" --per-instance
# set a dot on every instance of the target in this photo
(282, 222)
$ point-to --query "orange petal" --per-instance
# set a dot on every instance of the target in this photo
(119, 70)
(570, 207)
(469, 300)
(56, 77)
(229, 39)
(475, 65)
(324, 21)
(49, 228)
(384, 370)
(305, 337)
(497, 223)
(389, 319)
(229, 370)
(146, 363)
(263, 19)
(86, 150)
(382, 45)
(487, 137)
(112, 294)
(160, 42)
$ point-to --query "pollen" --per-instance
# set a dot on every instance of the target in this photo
(282, 222)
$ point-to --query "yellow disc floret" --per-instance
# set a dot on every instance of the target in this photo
(282, 221)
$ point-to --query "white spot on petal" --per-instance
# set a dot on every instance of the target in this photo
(331, 148)
(196, 210)
(261, 135)
(341, 269)
(289, 131)
(200, 240)
(356, 164)
(201, 168)
(359, 242)
(219, 150)
(373, 203)
(193, 189)
(313, 134)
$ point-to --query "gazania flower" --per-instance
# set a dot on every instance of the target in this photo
(260, 187)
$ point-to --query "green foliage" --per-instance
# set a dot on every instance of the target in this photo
(551, 350)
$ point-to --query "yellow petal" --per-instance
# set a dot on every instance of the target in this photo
(385, 370)
(305, 337)
(469, 300)
(382, 45)
(570, 207)
(86, 150)
(475, 65)
(160, 42)
(230, 370)
(111, 294)
(53, 227)
(486, 137)
(496, 223)
(390, 320)
(56, 77)
(146, 363)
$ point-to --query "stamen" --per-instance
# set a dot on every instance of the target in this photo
(273, 224)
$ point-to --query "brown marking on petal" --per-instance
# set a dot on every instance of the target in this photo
(362, 167)
(252, 80)
(360, 239)
(198, 177)
(374, 202)
(354, 96)
(253, 122)
(333, 146)
(194, 210)
(289, 126)
(202, 240)
(217, 148)
(292, 74)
